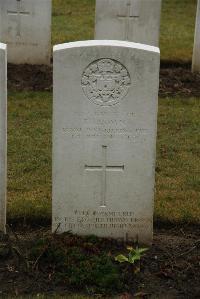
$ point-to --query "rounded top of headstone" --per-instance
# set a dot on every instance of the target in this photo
(111, 43)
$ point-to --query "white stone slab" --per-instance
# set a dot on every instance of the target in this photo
(104, 138)
(133, 20)
(196, 51)
(3, 134)
(25, 26)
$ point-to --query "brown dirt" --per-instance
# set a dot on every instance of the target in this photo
(176, 81)
(179, 82)
(170, 269)
(30, 77)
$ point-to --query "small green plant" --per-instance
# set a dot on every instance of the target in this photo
(133, 256)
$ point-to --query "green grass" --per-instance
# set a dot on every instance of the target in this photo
(29, 124)
(178, 160)
(29, 158)
(177, 30)
(29, 155)
(74, 20)
(178, 145)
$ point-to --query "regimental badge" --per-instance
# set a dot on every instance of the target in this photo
(105, 82)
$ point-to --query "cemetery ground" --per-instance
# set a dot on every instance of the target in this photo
(34, 261)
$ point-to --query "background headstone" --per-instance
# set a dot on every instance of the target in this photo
(196, 51)
(3, 134)
(25, 26)
(132, 20)
(104, 138)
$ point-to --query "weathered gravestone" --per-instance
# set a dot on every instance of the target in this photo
(3, 134)
(196, 51)
(104, 138)
(25, 25)
(133, 20)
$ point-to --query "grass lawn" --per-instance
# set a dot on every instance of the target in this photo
(29, 155)
(29, 124)
(178, 160)
(178, 145)
(74, 20)
(29, 158)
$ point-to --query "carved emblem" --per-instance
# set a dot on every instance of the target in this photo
(105, 82)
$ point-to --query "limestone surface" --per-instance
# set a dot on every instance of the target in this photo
(104, 138)
(132, 20)
(25, 26)
(196, 51)
(3, 135)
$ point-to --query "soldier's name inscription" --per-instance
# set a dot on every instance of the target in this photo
(100, 124)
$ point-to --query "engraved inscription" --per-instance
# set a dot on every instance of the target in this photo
(18, 13)
(128, 17)
(18, 43)
(93, 219)
(100, 124)
(105, 82)
(104, 168)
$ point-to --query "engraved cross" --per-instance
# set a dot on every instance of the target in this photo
(127, 18)
(104, 169)
(18, 13)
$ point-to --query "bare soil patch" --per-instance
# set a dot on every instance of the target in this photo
(174, 81)
(170, 269)
(179, 82)
(30, 77)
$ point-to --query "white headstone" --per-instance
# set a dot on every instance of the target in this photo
(196, 51)
(104, 138)
(3, 134)
(25, 26)
(133, 20)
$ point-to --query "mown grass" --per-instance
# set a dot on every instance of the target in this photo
(177, 30)
(74, 20)
(29, 158)
(29, 155)
(29, 124)
(178, 160)
(178, 145)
